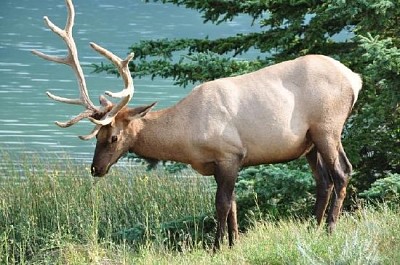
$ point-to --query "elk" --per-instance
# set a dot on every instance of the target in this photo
(272, 115)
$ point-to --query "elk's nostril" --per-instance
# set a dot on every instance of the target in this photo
(93, 170)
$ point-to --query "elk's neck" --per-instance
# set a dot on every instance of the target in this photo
(160, 135)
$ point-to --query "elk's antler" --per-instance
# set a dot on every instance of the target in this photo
(106, 111)
(125, 94)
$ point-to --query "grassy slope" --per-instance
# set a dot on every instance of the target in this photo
(367, 237)
(52, 214)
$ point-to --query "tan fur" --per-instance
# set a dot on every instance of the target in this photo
(262, 116)
(272, 115)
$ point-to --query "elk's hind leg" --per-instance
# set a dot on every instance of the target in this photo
(340, 175)
(338, 168)
(324, 184)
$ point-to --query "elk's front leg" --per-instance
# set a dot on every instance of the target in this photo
(225, 176)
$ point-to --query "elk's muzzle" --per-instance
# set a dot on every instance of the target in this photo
(99, 171)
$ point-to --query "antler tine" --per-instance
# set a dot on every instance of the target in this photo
(71, 16)
(72, 60)
(82, 115)
(92, 134)
(126, 94)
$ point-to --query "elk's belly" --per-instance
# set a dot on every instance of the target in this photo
(275, 146)
(274, 154)
(255, 154)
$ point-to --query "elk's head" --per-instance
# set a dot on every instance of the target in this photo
(116, 138)
(111, 119)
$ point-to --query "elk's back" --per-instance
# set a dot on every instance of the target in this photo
(265, 115)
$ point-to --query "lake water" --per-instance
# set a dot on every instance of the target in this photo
(27, 115)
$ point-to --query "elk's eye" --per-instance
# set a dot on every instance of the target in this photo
(114, 138)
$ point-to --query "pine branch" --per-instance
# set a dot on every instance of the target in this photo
(190, 69)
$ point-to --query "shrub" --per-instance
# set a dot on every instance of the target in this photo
(181, 234)
(276, 191)
(384, 190)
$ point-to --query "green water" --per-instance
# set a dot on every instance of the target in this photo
(27, 115)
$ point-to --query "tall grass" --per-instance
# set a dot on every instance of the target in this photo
(44, 206)
(370, 236)
(55, 214)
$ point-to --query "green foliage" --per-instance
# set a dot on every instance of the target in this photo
(376, 128)
(174, 167)
(45, 205)
(152, 164)
(181, 234)
(384, 190)
(190, 68)
(367, 237)
(274, 191)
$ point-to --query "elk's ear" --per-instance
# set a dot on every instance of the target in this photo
(140, 112)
